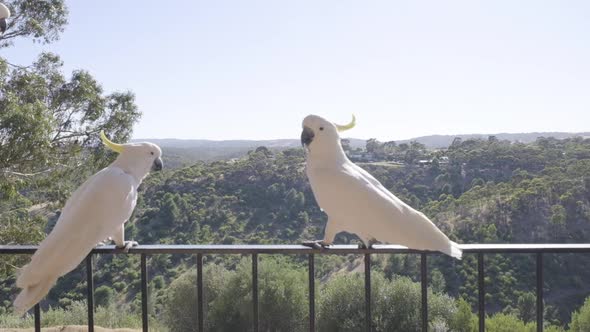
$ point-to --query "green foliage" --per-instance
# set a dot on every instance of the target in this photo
(507, 323)
(259, 199)
(110, 316)
(49, 124)
(510, 323)
(396, 304)
(437, 281)
(464, 320)
(158, 282)
(39, 20)
(180, 304)
(475, 191)
(558, 214)
(581, 318)
(103, 295)
(228, 297)
(283, 294)
(282, 298)
(341, 303)
(527, 307)
(265, 198)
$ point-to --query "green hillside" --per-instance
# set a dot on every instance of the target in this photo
(477, 191)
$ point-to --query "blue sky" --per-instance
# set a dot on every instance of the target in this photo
(253, 69)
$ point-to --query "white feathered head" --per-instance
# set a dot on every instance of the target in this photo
(317, 128)
(142, 153)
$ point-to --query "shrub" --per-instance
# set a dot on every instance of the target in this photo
(103, 296)
(228, 298)
(464, 319)
(581, 318)
(282, 298)
(396, 304)
(507, 323)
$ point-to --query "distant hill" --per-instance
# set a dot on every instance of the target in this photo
(234, 144)
(443, 141)
(197, 143)
(178, 152)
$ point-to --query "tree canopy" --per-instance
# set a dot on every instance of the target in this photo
(37, 20)
(49, 124)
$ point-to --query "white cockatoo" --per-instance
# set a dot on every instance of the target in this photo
(4, 14)
(98, 209)
(356, 202)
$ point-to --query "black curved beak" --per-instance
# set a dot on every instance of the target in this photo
(157, 165)
(307, 136)
(3, 26)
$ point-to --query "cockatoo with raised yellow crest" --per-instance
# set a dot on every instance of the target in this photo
(98, 209)
(356, 202)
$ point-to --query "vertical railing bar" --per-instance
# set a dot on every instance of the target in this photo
(255, 291)
(311, 270)
(200, 293)
(540, 292)
(90, 292)
(481, 292)
(424, 284)
(144, 293)
(368, 292)
(37, 318)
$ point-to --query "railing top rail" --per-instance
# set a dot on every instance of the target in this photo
(300, 249)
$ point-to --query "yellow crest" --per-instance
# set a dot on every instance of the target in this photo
(348, 126)
(113, 146)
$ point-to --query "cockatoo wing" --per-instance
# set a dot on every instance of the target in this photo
(93, 212)
(370, 178)
(360, 204)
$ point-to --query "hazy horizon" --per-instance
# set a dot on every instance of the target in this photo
(359, 138)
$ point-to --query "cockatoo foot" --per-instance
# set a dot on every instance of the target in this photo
(362, 245)
(128, 245)
(104, 242)
(318, 244)
(371, 242)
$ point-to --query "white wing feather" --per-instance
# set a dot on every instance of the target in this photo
(93, 212)
(360, 204)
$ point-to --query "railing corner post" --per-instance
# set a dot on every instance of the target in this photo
(90, 292)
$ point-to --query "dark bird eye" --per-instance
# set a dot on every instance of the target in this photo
(321, 128)
(152, 153)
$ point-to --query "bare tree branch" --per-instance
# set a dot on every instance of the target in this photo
(26, 174)
(8, 172)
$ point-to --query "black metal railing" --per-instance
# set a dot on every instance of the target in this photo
(255, 250)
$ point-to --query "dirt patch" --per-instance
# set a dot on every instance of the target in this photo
(69, 328)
